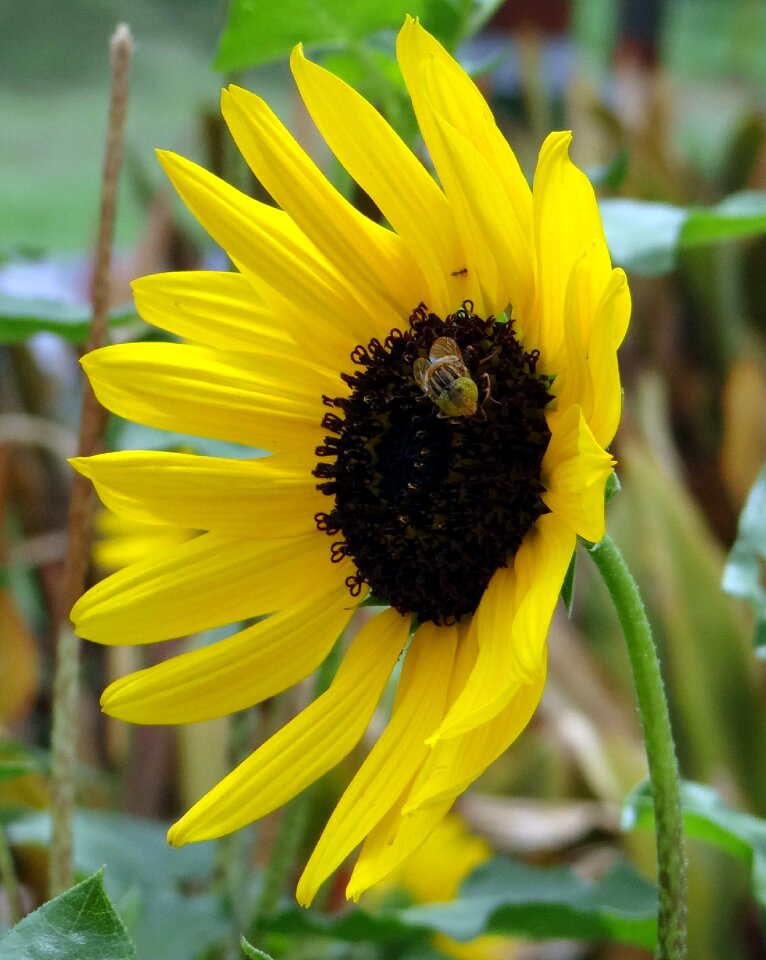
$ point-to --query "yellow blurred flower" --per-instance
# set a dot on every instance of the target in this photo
(438, 396)
(434, 873)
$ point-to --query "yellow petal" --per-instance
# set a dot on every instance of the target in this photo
(609, 328)
(371, 257)
(495, 675)
(566, 222)
(237, 672)
(208, 393)
(245, 498)
(311, 744)
(457, 98)
(540, 566)
(219, 310)
(572, 383)
(391, 842)
(228, 579)
(485, 215)
(393, 760)
(267, 245)
(490, 198)
(468, 181)
(388, 171)
(455, 763)
(574, 471)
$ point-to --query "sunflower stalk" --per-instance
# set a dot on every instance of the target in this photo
(92, 422)
(659, 746)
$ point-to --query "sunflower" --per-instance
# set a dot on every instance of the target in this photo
(437, 392)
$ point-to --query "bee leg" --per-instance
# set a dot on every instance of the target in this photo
(488, 394)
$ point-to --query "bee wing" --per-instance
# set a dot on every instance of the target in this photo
(444, 347)
(420, 371)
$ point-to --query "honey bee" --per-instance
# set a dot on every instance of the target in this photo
(445, 379)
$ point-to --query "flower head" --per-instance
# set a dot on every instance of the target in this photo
(438, 396)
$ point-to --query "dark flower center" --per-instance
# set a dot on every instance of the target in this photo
(427, 504)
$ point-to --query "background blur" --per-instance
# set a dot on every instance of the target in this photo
(667, 101)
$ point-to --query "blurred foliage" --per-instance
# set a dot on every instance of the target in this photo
(743, 576)
(674, 135)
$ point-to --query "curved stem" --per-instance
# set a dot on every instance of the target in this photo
(659, 746)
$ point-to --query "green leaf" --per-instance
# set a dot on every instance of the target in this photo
(22, 317)
(738, 216)
(643, 237)
(742, 575)
(11, 769)
(567, 587)
(509, 898)
(253, 952)
(257, 32)
(610, 176)
(152, 884)
(613, 487)
(707, 818)
(646, 237)
(81, 924)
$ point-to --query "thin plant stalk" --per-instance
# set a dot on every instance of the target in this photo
(92, 422)
(659, 745)
(9, 881)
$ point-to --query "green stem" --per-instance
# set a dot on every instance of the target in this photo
(659, 746)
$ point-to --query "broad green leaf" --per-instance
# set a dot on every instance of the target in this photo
(22, 317)
(738, 216)
(643, 237)
(707, 818)
(257, 32)
(743, 573)
(81, 924)
(646, 237)
(133, 849)
(151, 883)
(509, 898)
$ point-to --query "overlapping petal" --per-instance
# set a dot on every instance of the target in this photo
(575, 470)
(388, 171)
(393, 760)
(365, 253)
(229, 579)
(312, 743)
(221, 310)
(267, 245)
(232, 674)
(246, 498)
(213, 394)
(566, 223)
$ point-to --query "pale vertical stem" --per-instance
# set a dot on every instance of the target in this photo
(92, 422)
(10, 881)
(659, 746)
